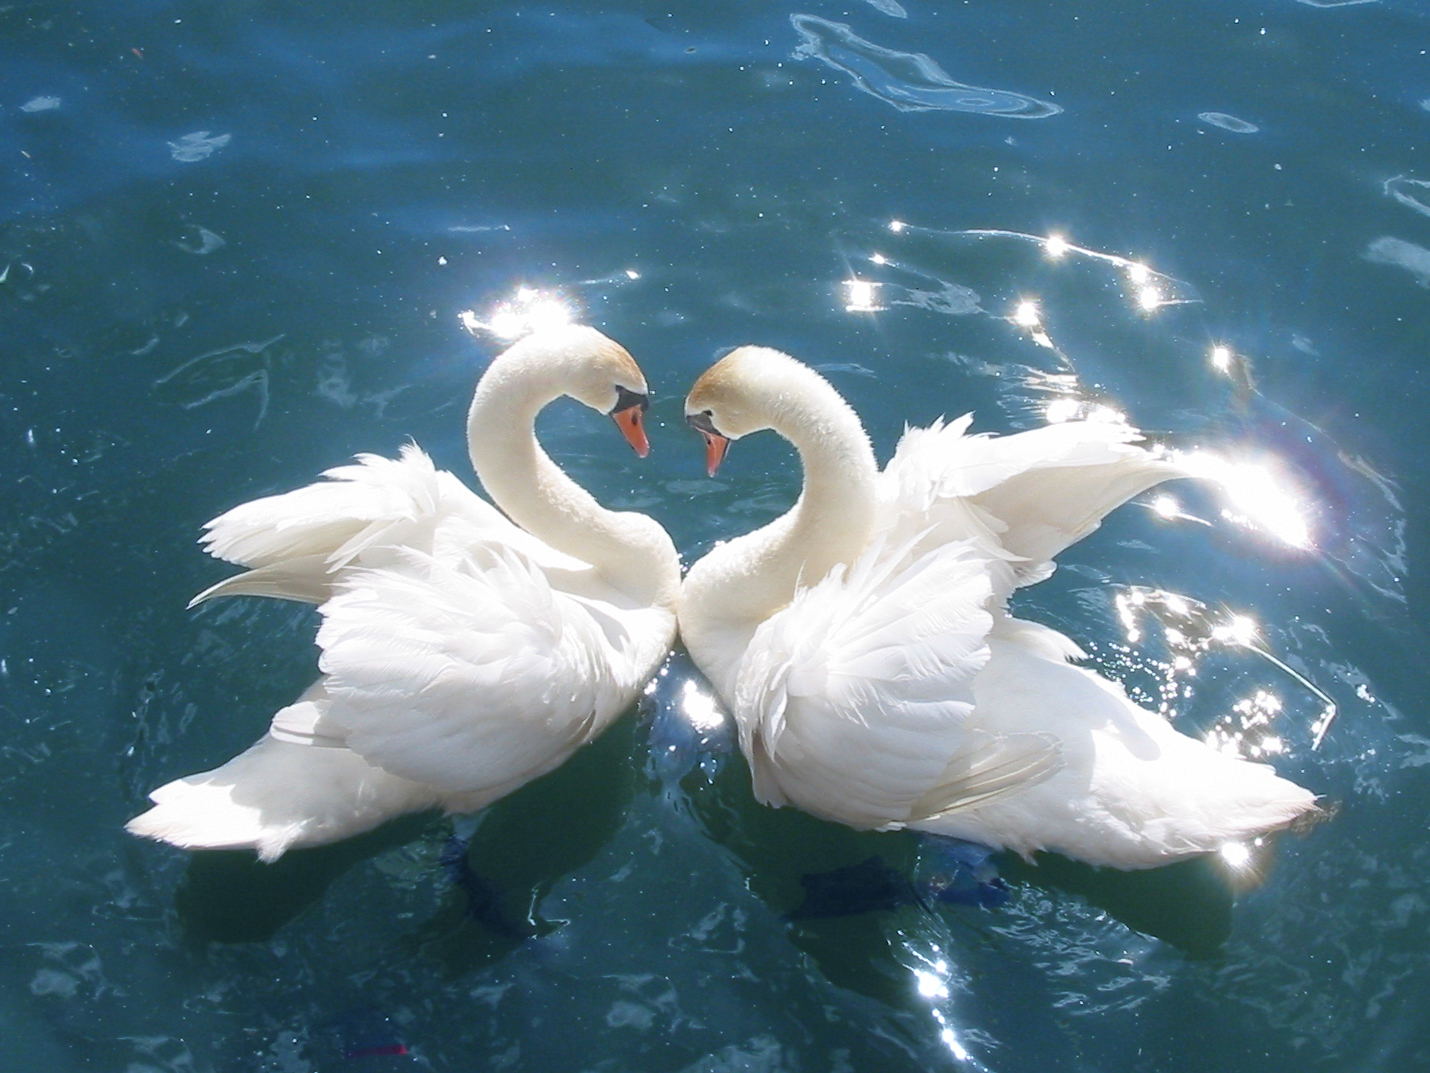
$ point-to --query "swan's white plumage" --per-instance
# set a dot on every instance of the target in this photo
(462, 655)
(1026, 496)
(293, 543)
(896, 690)
(409, 655)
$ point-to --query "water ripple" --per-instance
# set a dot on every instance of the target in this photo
(910, 81)
(1228, 122)
(1388, 250)
(1412, 193)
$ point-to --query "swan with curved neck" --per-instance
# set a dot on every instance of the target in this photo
(863, 645)
(532, 490)
(464, 651)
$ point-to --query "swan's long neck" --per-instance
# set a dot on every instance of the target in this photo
(629, 550)
(831, 523)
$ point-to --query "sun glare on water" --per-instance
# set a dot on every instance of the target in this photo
(531, 310)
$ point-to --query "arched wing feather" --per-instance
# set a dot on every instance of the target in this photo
(296, 542)
(469, 678)
(355, 506)
(1033, 493)
(855, 695)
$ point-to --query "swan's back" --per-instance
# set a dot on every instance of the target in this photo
(1133, 791)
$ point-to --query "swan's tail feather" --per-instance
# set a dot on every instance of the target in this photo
(304, 579)
(278, 796)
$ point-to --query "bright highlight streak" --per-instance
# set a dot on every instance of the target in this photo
(897, 226)
(1060, 410)
(951, 1042)
(1166, 507)
(879, 259)
(1149, 298)
(1056, 246)
(1137, 272)
(930, 986)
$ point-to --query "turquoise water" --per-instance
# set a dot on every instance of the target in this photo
(235, 244)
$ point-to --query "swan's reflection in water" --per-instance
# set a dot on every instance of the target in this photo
(914, 921)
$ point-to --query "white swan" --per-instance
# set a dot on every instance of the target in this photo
(461, 655)
(862, 642)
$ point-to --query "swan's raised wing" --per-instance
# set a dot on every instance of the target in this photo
(355, 506)
(1037, 492)
(852, 700)
(295, 541)
(470, 678)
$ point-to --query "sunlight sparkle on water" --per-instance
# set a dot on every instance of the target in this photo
(698, 708)
(1235, 854)
(1258, 498)
(1026, 314)
(951, 1042)
(1241, 630)
(930, 986)
(1056, 246)
(1060, 410)
(861, 296)
(530, 311)
(1221, 358)
(1149, 298)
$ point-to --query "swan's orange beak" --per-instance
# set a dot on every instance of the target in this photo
(628, 420)
(715, 444)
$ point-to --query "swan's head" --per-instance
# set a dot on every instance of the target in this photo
(748, 390)
(597, 371)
